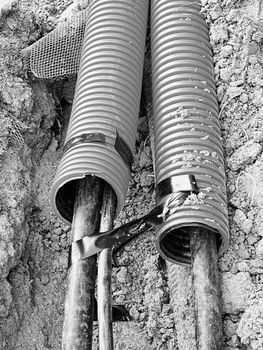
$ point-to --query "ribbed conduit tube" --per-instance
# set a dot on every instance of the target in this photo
(106, 101)
(186, 127)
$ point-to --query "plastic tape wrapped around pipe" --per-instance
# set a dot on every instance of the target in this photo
(186, 126)
(106, 105)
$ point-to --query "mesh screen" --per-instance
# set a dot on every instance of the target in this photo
(57, 54)
(15, 127)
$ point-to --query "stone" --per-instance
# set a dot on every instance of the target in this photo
(234, 341)
(243, 251)
(242, 266)
(134, 313)
(5, 298)
(231, 15)
(227, 50)
(239, 217)
(145, 159)
(258, 97)
(247, 225)
(244, 155)
(259, 249)
(235, 291)
(45, 279)
(229, 328)
(219, 33)
(257, 36)
(121, 276)
(255, 345)
(216, 12)
(252, 239)
(258, 136)
(6, 5)
(225, 74)
(55, 246)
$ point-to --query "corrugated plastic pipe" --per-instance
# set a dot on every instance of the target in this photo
(186, 127)
(103, 123)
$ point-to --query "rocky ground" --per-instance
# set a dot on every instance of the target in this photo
(33, 242)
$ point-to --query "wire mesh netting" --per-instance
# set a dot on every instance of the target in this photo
(57, 54)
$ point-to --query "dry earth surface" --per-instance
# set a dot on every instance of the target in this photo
(33, 242)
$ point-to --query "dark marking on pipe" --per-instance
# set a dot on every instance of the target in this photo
(84, 138)
(124, 150)
(120, 145)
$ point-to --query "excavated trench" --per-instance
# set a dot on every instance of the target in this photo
(34, 243)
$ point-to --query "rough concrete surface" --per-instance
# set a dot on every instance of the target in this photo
(34, 243)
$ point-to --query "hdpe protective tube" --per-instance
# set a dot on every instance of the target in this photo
(186, 126)
(103, 123)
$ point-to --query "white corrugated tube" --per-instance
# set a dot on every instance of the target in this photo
(103, 123)
(186, 126)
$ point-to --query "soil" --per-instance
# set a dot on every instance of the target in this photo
(34, 244)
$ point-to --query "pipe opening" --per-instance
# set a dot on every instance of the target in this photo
(173, 244)
(65, 199)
